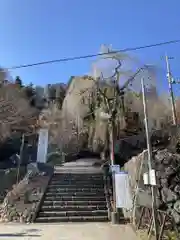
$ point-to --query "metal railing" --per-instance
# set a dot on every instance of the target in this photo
(108, 194)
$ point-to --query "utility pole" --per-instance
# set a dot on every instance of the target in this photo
(153, 187)
(170, 83)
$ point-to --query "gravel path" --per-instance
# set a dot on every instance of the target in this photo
(69, 231)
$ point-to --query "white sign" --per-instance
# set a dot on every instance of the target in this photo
(152, 177)
(146, 178)
(123, 196)
(42, 146)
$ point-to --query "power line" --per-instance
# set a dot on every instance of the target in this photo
(94, 55)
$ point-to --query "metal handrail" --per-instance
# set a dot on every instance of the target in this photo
(108, 201)
(108, 193)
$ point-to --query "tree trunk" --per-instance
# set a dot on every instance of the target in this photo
(111, 147)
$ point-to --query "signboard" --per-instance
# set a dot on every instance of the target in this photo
(123, 196)
(42, 145)
(150, 178)
(146, 178)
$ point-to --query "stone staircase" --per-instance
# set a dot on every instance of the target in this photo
(74, 197)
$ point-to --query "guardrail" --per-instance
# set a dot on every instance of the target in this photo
(108, 194)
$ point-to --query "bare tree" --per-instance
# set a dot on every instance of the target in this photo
(15, 109)
(63, 133)
(109, 97)
(119, 91)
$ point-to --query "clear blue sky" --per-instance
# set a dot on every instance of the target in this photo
(40, 30)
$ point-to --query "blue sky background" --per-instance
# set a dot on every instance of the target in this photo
(39, 30)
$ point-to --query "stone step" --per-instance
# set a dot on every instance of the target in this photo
(100, 194)
(72, 213)
(62, 182)
(74, 203)
(73, 185)
(69, 189)
(78, 177)
(76, 186)
(74, 198)
(72, 219)
(73, 207)
(77, 180)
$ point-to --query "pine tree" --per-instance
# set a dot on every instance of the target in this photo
(18, 81)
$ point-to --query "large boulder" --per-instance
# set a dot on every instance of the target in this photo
(167, 169)
(75, 105)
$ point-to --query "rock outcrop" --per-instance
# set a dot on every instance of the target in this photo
(75, 105)
(167, 166)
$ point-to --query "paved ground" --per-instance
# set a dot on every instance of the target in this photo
(69, 231)
(82, 162)
(80, 166)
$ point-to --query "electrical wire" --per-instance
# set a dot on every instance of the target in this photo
(67, 59)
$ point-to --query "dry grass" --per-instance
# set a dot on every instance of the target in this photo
(38, 183)
(8, 179)
(14, 109)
